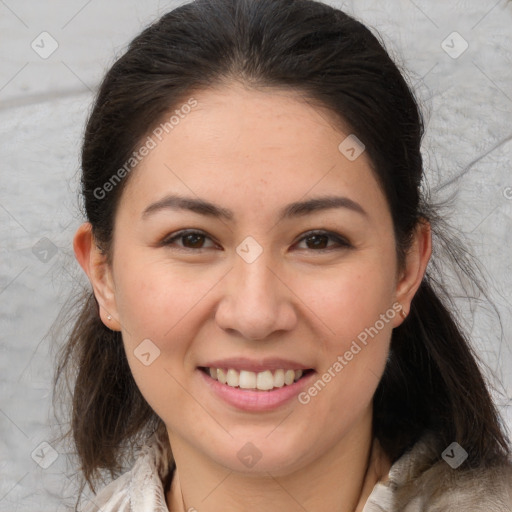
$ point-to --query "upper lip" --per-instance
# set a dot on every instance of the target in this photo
(259, 365)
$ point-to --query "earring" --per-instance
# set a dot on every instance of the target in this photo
(109, 317)
(403, 313)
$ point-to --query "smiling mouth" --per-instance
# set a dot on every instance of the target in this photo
(255, 381)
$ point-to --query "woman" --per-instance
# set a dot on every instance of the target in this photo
(261, 318)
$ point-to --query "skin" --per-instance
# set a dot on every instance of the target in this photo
(255, 152)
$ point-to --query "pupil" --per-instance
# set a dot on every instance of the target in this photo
(319, 241)
(195, 240)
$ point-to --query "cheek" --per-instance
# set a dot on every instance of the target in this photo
(349, 298)
(153, 297)
(355, 306)
(154, 310)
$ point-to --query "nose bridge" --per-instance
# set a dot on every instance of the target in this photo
(255, 282)
(256, 302)
(251, 272)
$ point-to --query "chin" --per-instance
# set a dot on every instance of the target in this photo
(260, 455)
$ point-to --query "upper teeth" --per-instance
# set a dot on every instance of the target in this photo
(263, 381)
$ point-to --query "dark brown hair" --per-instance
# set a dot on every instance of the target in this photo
(432, 380)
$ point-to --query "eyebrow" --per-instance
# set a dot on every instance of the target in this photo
(297, 209)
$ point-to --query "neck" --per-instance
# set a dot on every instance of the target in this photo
(340, 480)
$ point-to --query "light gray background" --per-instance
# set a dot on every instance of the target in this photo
(43, 107)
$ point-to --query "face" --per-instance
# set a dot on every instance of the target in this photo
(246, 240)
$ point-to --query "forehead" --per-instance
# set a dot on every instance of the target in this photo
(256, 147)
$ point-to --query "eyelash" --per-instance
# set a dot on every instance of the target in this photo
(342, 243)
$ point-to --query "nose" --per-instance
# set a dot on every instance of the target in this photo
(256, 301)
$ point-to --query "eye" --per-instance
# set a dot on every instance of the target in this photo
(314, 240)
(190, 239)
(319, 240)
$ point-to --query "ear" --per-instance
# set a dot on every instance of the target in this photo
(95, 265)
(416, 262)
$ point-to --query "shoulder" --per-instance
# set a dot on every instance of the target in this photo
(475, 490)
(113, 497)
(141, 488)
(422, 481)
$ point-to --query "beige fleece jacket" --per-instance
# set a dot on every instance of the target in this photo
(419, 481)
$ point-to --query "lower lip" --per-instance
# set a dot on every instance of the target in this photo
(248, 400)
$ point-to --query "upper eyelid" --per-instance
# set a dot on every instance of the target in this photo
(331, 234)
(179, 234)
